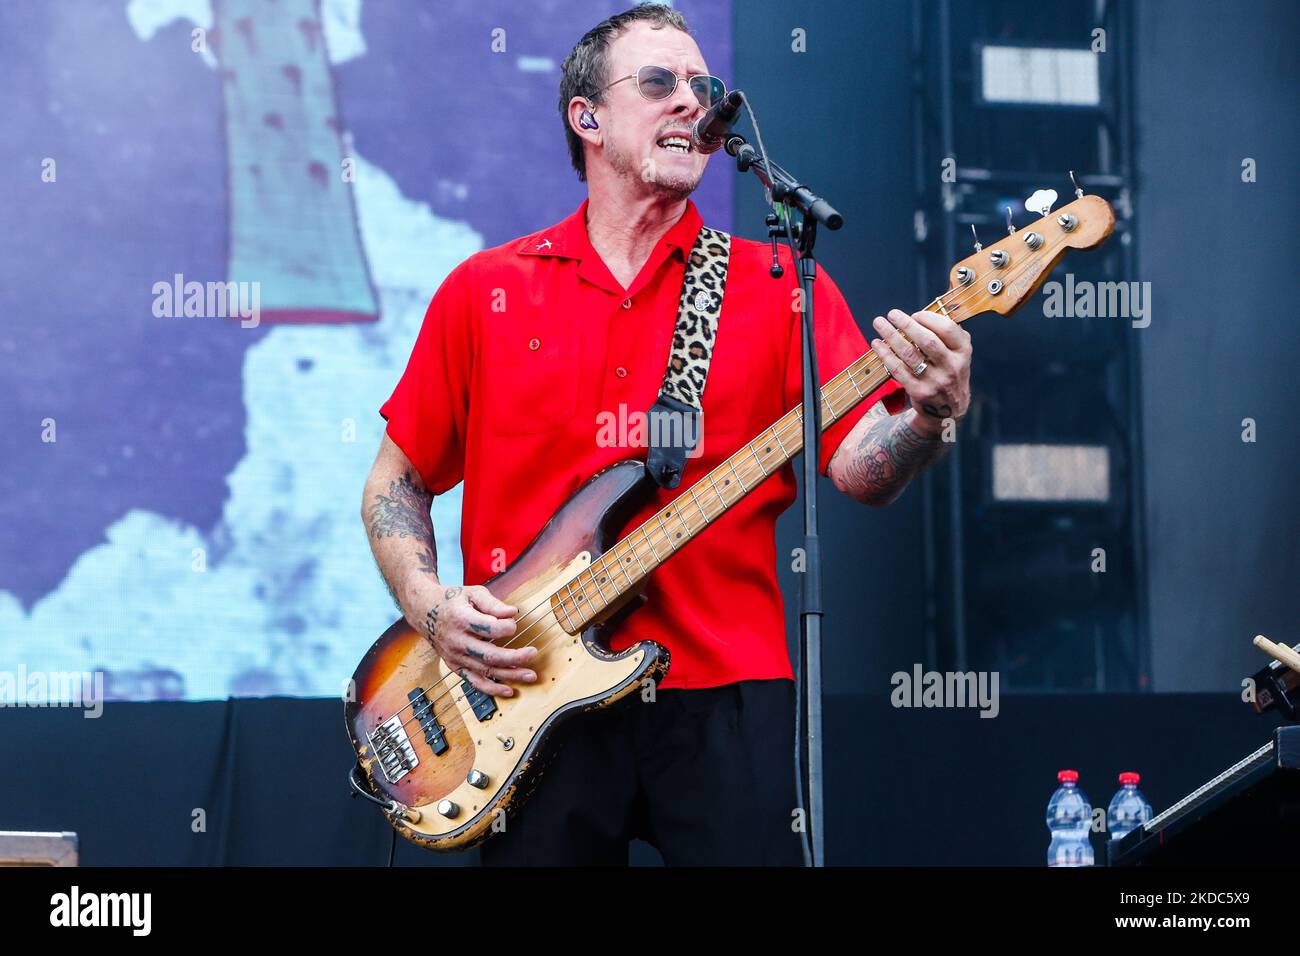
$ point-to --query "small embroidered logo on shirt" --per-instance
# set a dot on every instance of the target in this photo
(544, 244)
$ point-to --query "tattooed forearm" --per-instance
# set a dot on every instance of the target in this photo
(404, 511)
(889, 455)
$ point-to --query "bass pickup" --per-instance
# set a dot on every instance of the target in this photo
(422, 710)
(483, 705)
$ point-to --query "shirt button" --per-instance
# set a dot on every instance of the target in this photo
(627, 303)
(621, 372)
(534, 344)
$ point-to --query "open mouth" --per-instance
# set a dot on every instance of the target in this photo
(675, 144)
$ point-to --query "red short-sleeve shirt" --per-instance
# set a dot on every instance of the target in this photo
(525, 345)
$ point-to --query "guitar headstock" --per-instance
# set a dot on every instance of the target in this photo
(1001, 276)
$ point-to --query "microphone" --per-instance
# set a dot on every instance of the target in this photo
(710, 131)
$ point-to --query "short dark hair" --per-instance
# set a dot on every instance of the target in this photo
(586, 69)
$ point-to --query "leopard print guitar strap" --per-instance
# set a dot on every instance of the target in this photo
(675, 419)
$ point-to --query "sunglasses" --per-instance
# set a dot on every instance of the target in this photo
(659, 83)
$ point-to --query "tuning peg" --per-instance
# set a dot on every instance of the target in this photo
(1078, 190)
(978, 245)
(1011, 226)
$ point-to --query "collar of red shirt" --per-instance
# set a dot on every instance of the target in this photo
(568, 239)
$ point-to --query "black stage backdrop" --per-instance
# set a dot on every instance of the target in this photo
(1213, 86)
(916, 787)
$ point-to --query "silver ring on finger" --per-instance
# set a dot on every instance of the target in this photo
(920, 369)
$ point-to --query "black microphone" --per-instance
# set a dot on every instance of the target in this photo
(710, 130)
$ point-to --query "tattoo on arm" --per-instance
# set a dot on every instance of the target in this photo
(404, 513)
(889, 456)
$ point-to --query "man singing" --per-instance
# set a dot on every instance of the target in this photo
(527, 353)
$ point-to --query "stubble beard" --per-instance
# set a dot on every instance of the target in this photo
(660, 185)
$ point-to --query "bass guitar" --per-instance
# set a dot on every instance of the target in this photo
(444, 760)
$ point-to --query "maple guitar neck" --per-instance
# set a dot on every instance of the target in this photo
(621, 569)
(997, 278)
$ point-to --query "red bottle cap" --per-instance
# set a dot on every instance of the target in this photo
(1128, 776)
(1071, 776)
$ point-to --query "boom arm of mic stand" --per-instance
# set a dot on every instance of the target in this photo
(783, 187)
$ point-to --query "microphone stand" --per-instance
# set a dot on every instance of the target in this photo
(785, 188)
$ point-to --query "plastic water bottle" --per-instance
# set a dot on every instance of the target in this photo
(1069, 817)
(1128, 808)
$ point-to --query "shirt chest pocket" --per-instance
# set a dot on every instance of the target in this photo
(532, 377)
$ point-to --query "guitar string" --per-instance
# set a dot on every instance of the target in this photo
(650, 540)
(785, 431)
(964, 294)
(967, 292)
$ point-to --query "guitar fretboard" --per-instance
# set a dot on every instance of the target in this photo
(623, 567)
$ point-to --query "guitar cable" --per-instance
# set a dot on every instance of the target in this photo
(359, 789)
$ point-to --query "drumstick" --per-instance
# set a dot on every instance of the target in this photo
(1285, 654)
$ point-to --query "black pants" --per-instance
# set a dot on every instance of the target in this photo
(705, 776)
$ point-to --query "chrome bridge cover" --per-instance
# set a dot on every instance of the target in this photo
(392, 748)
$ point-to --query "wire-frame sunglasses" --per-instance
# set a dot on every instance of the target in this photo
(659, 83)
